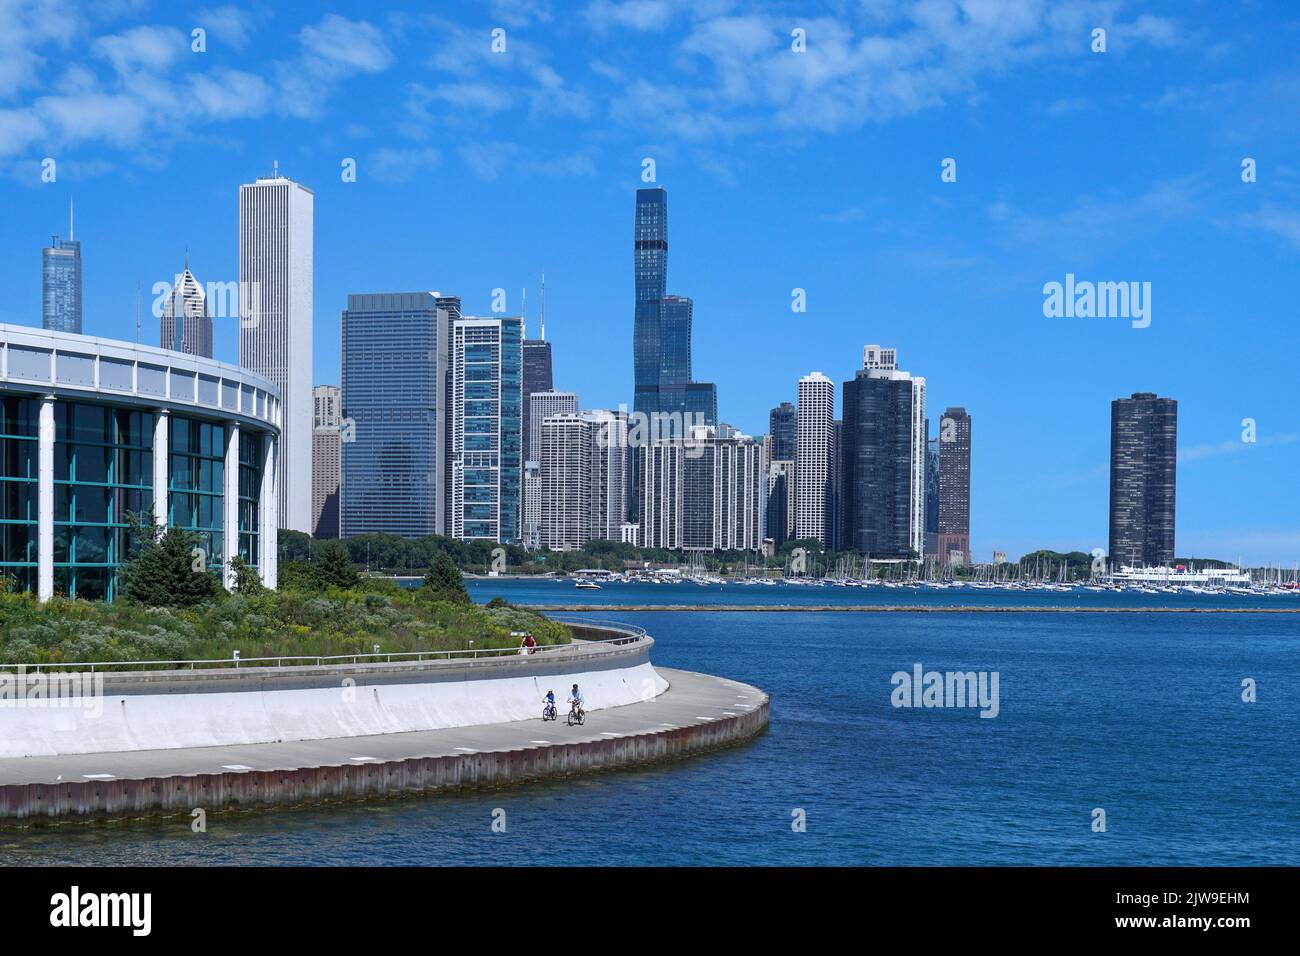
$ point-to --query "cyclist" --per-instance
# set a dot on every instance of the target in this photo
(576, 701)
(548, 711)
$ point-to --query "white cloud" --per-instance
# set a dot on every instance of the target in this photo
(1283, 223)
(229, 25)
(631, 14)
(401, 165)
(231, 94)
(338, 47)
(488, 160)
(148, 48)
(1234, 446)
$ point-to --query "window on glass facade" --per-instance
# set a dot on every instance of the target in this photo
(250, 482)
(103, 472)
(196, 482)
(18, 481)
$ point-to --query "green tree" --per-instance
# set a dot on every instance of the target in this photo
(246, 578)
(169, 569)
(444, 582)
(334, 566)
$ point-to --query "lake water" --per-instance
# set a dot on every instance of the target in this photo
(1139, 715)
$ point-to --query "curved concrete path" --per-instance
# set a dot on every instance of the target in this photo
(698, 712)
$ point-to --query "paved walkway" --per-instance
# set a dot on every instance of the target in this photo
(691, 700)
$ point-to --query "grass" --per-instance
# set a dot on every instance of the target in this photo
(284, 623)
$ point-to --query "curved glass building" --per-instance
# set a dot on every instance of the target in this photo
(95, 430)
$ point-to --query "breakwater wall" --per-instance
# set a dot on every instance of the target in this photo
(162, 709)
(181, 794)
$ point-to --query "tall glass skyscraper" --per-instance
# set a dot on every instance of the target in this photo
(650, 276)
(1143, 480)
(781, 426)
(61, 285)
(487, 428)
(395, 357)
(882, 457)
(661, 332)
(537, 377)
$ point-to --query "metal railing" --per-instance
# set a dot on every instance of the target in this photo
(630, 635)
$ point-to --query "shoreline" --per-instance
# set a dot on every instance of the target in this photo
(699, 713)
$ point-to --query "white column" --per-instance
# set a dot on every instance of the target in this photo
(161, 433)
(45, 501)
(269, 513)
(230, 505)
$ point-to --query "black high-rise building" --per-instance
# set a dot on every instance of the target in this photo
(875, 442)
(781, 426)
(1143, 479)
(537, 376)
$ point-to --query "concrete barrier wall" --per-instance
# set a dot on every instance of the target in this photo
(117, 799)
(160, 710)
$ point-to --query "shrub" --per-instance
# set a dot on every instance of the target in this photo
(444, 582)
(167, 573)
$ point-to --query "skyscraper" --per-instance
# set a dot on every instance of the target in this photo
(611, 472)
(487, 428)
(394, 352)
(191, 333)
(542, 405)
(539, 405)
(781, 425)
(931, 493)
(661, 335)
(566, 458)
(650, 278)
(326, 460)
(537, 378)
(275, 321)
(706, 493)
(1143, 479)
(954, 485)
(537, 372)
(780, 495)
(814, 457)
(883, 459)
(61, 283)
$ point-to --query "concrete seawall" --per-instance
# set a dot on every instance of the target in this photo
(698, 713)
(163, 709)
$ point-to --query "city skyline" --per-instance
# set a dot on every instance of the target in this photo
(947, 276)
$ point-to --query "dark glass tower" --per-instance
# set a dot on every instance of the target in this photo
(954, 484)
(61, 286)
(875, 457)
(394, 359)
(781, 426)
(537, 377)
(1143, 478)
(650, 272)
(661, 332)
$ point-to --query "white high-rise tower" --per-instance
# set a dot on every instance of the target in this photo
(814, 457)
(275, 322)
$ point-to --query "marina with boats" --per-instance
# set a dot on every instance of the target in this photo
(894, 576)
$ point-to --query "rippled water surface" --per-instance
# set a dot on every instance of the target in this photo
(1138, 714)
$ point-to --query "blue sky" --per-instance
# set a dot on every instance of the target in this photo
(817, 170)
